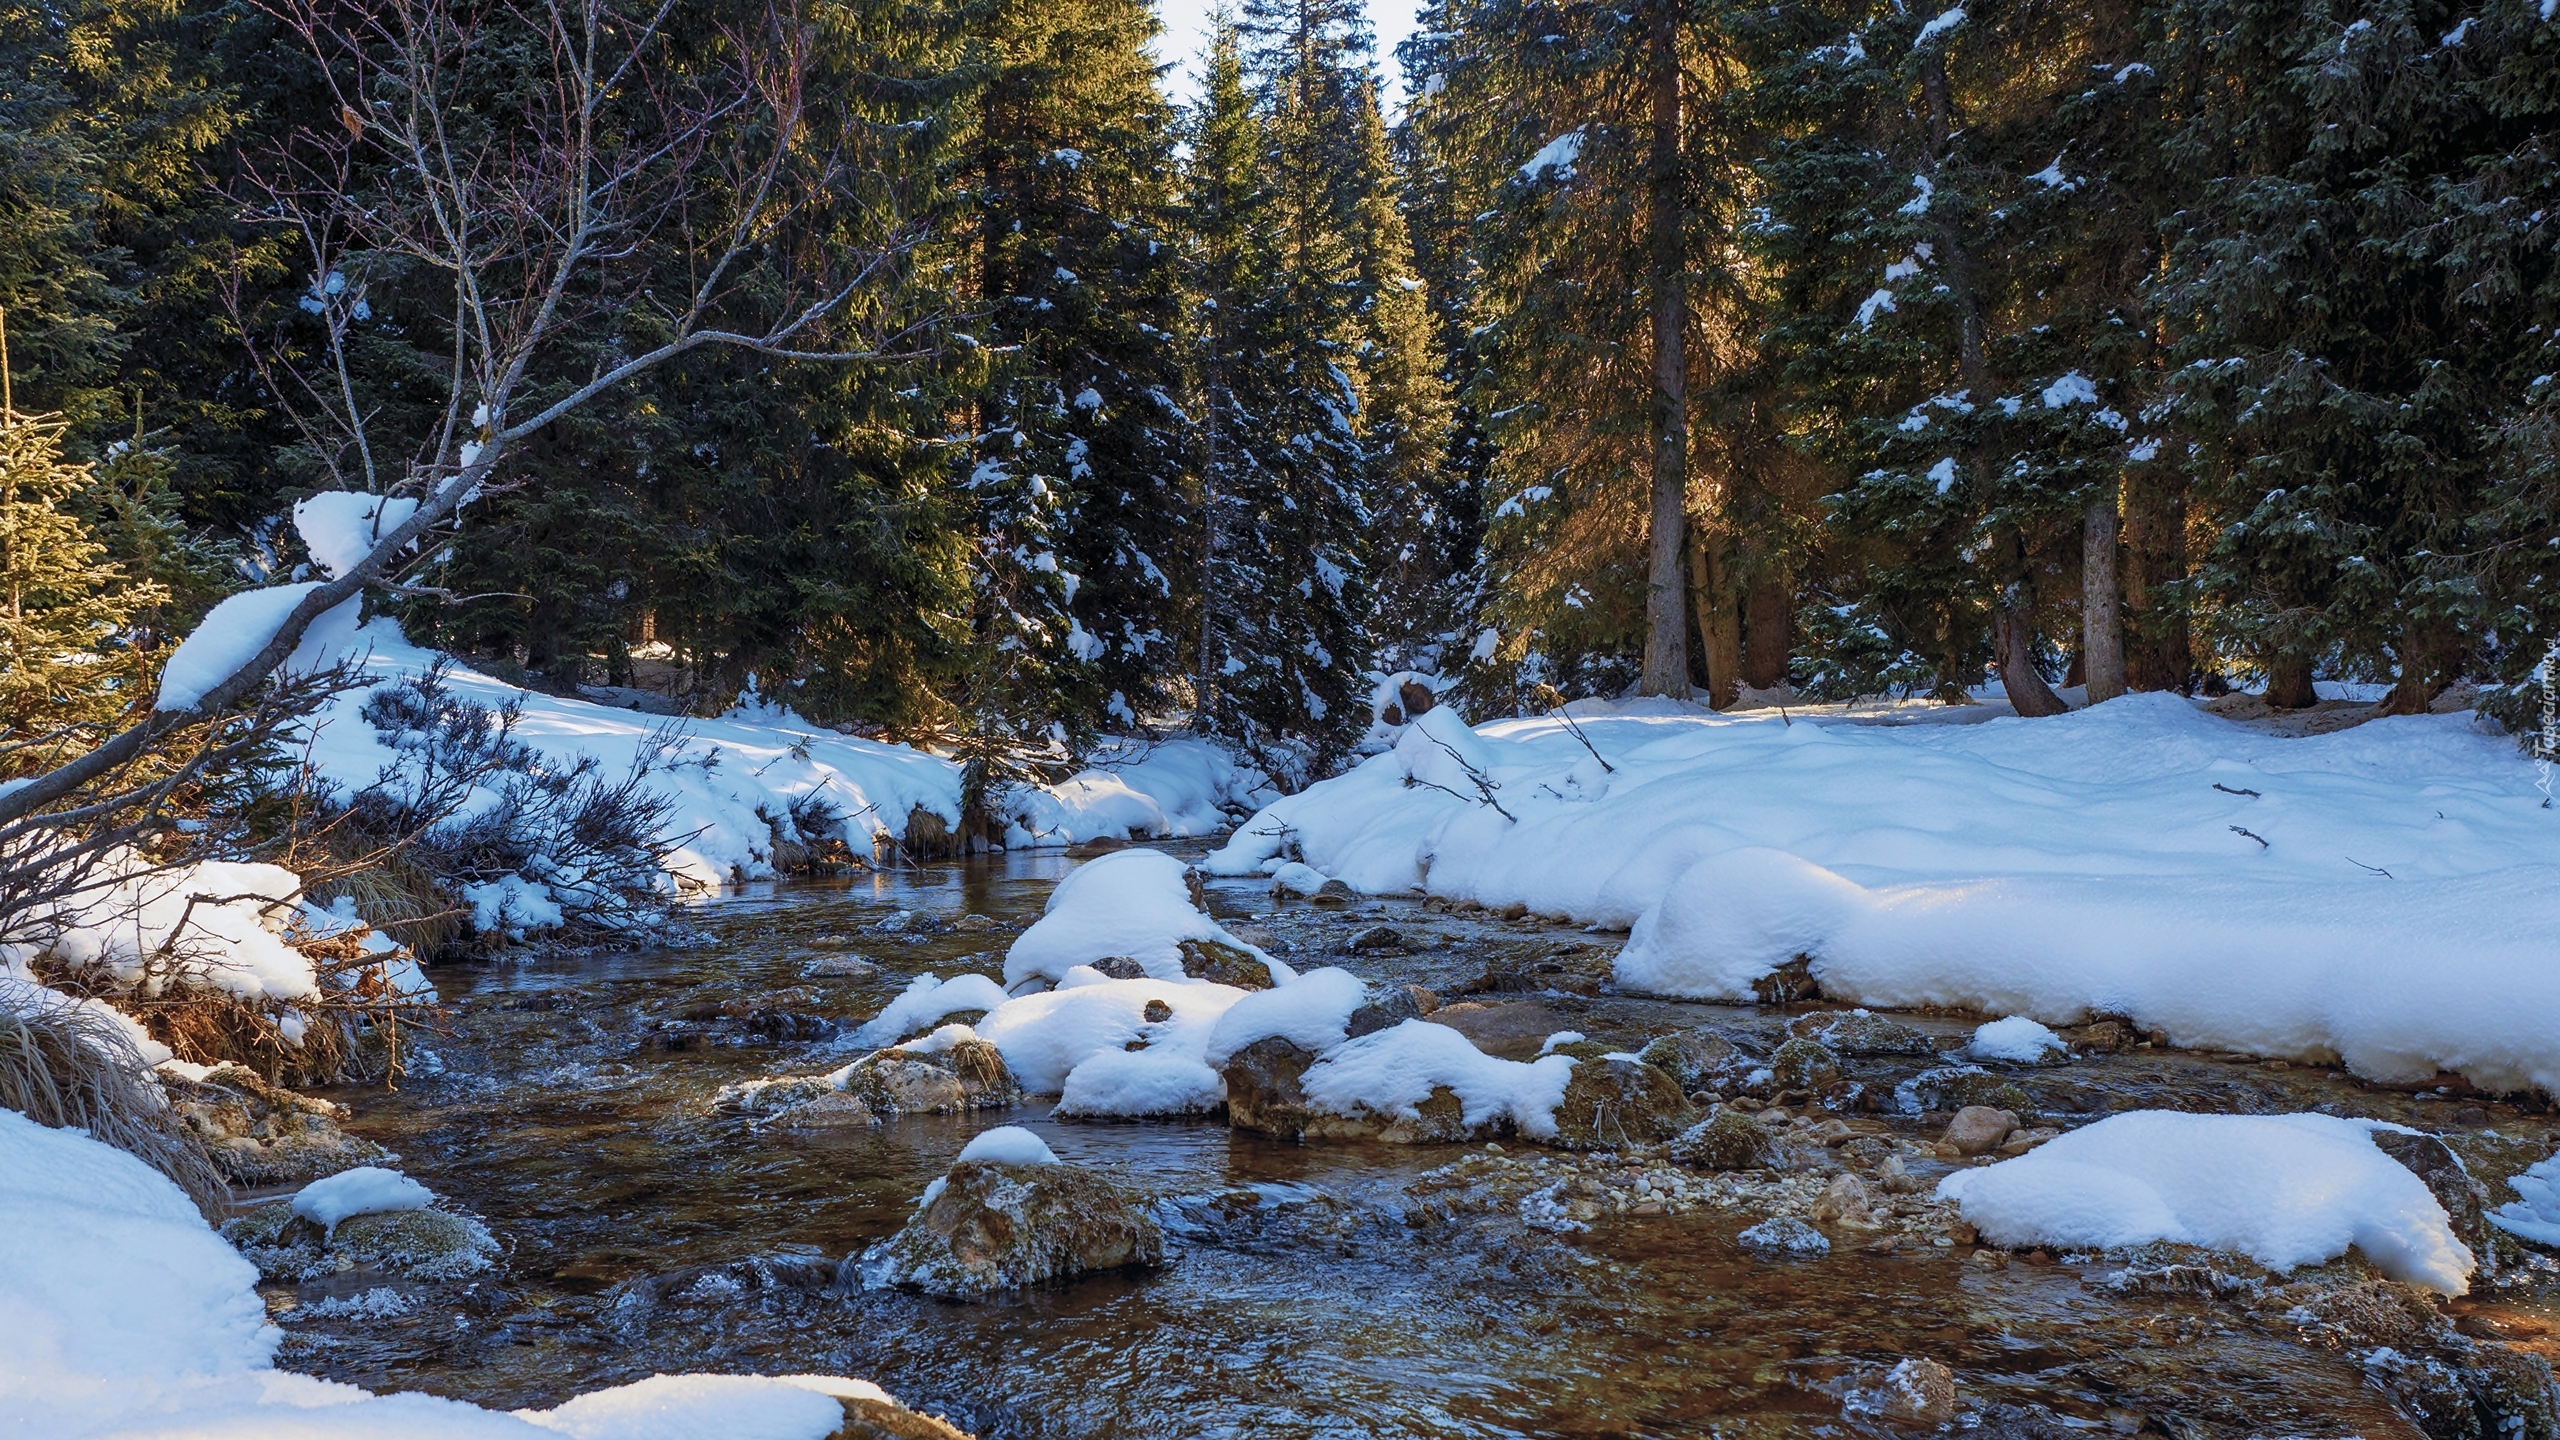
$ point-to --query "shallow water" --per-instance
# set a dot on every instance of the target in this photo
(1309, 1292)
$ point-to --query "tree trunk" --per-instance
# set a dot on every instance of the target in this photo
(1719, 620)
(2289, 683)
(1666, 631)
(1768, 618)
(2155, 555)
(2427, 656)
(2013, 646)
(2101, 613)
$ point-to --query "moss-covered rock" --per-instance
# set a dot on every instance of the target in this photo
(411, 1244)
(1727, 1140)
(1953, 1087)
(1699, 1060)
(988, 1228)
(1861, 1032)
(1224, 964)
(1609, 1103)
(1803, 1066)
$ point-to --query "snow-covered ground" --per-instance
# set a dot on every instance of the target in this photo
(2385, 894)
(127, 1316)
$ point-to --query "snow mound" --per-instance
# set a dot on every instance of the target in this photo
(126, 1315)
(1393, 1071)
(2536, 1215)
(1008, 1145)
(216, 923)
(1963, 857)
(1312, 1014)
(1131, 904)
(1164, 790)
(2284, 1190)
(2017, 1039)
(365, 1190)
(1045, 1037)
(922, 1005)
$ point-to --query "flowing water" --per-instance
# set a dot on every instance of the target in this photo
(1309, 1291)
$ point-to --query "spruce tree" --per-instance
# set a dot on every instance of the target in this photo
(66, 654)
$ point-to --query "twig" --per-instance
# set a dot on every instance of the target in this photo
(1605, 766)
(2376, 869)
(2254, 835)
(2227, 790)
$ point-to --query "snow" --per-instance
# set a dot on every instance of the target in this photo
(1133, 904)
(1008, 1145)
(1167, 789)
(1312, 1014)
(1924, 187)
(215, 923)
(1294, 878)
(922, 1005)
(1947, 20)
(1393, 1071)
(22, 996)
(126, 1315)
(341, 527)
(1558, 154)
(2046, 868)
(2284, 1190)
(234, 631)
(2073, 388)
(2017, 1039)
(2535, 1215)
(1879, 303)
(1046, 1036)
(365, 1190)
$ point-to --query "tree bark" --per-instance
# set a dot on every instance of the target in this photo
(2428, 649)
(2289, 683)
(1666, 638)
(2013, 646)
(2155, 555)
(2101, 612)
(1768, 622)
(1719, 620)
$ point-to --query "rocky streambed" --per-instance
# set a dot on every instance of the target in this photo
(1777, 1268)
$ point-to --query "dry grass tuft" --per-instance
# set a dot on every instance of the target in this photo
(66, 1066)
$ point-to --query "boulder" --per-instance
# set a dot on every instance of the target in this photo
(1727, 1140)
(410, 1244)
(1978, 1130)
(1803, 1067)
(1416, 699)
(1389, 1008)
(990, 1227)
(1223, 964)
(1610, 1103)
(1953, 1087)
(1264, 1096)
(2465, 1200)
(262, 1134)
(1699, 1060)
(1120, 967)
(1512, 1031)
(970, 1075)
(1861, 1032)
(869, 1419)
(1377, 939)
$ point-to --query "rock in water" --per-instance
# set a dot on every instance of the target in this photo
(1224, 964)
(1803, 1066)
(1698, 1060)
(989, 1227)
(1392, 1007)
(1978, 1129)
(1914, 1392)
(1861, 1032)
(1784, 1237)
(1727, 1140)
(1609, 1103)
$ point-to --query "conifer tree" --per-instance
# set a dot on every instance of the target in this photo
(66, 658)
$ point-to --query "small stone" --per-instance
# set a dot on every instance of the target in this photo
(1698, 1060)
(840, 967)
(1391, 1007)
(1978, 1130)
(1223, 964)
(1157, 1012)
(1098, 845)
(1861, 1032)
(1120, 967)
(1917, 1392)
(1377, 938)
(1784, 1237)
(1896, 1178)
(974, 923)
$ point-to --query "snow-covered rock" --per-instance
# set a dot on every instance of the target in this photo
(2284, 1190)
(364, 1190)
(1132, 904)
(2016, 1039)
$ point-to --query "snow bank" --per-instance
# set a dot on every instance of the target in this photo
(2016, 1039)
(126, 1315)
(365, 1190)
(1132, 904)
(216, 923)
(2284, 1190)
(1135, 789)
(1312, 1014)
(2536, 1214)
(1393, 1071)
(2397, 916)
(233, 631)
